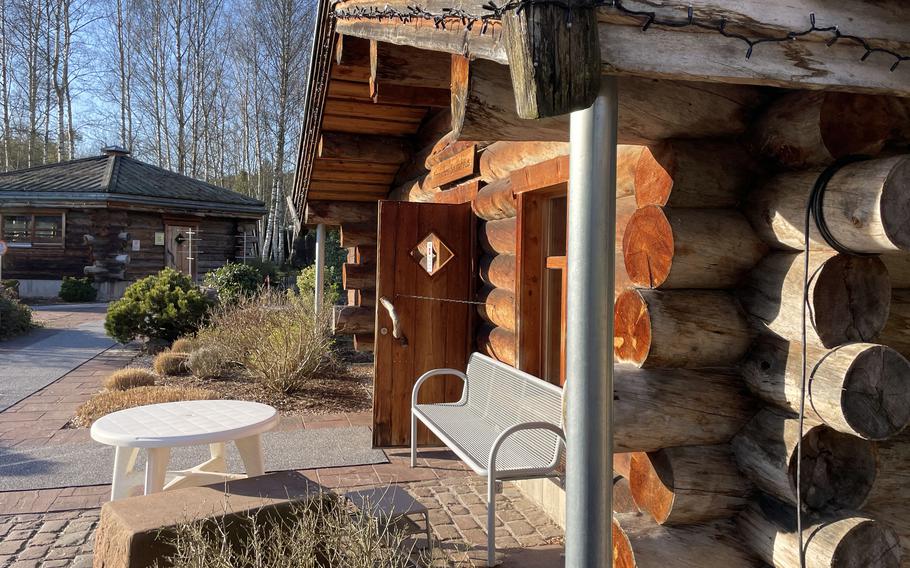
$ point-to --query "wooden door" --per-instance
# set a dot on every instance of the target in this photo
(178, 247)
(426, 250)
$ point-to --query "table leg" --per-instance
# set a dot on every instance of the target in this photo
(124, 461)
(217, 463)
(251, 453)
(156, 469)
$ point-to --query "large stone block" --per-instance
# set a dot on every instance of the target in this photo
(133, 533)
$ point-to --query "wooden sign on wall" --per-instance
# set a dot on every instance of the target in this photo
(459, 166)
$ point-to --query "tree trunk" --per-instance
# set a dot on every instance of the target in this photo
(656, 409)
(498, 237)
(861, 389)
(689, 248)
(496, 201)
(679, 328)
(692, 173)
(848, 297)
(769, 531)
(498, 307)
(838, 469)
(688, 485)
(638, 542)
(804, 129)
(498, 271)
(865, 207)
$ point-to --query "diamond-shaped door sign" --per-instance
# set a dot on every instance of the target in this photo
(431, 254)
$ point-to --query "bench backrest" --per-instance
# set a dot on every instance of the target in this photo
(506, 396)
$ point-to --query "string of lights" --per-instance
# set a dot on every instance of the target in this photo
(494, 13)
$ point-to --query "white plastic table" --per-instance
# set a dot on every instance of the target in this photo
(159, 427)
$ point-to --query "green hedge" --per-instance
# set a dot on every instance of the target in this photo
(77, 290)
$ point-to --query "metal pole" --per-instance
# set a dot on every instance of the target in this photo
(320, 265)
(589, 331)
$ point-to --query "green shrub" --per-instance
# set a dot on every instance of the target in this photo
(15, 317)
(306, 283)
(170, 363)
(164, 306)
(266, 268)
(77, 290)
(10, 286)
(234, 280)
(128, 378)
(208, 362)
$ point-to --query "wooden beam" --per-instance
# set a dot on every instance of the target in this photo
(372, 197)
(384, 93)
(367, 125)
(348, 186)
(358, 234)
(694, 54)
(407, 66)
(352, 51)
(372, 110)
(355, 276)
(555, 67)
(483, 108)
(462, 193)
(334, 213)
(363, 148)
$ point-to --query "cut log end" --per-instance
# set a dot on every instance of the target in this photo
(623, 556)
(651, 480)
(632, 335)
(654, 175)
(895, 204)
(648, 247)
(858, 291)
(838, 470)
(876, 394)
(854, 124)
(867, 543)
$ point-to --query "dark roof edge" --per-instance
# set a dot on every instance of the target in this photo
(321, 58)
(63, 198)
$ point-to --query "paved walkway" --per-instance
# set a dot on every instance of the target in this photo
(70, 336)
(53, 527)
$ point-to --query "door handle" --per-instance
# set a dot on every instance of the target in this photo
(396, 324)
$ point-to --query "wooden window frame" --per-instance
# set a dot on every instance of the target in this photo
(31, 214)
(531, 265)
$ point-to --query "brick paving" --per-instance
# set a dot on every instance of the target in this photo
(53, 527)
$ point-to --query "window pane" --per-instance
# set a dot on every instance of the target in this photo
(48, 229)
(15, 228)
(556, 229)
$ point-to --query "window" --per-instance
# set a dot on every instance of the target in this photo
(541, 287)
(33, 229)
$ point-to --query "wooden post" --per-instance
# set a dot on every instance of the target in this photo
(841, 468)
(554, 57)
(861, 389)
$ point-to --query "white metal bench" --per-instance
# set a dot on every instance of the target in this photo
(506, 426)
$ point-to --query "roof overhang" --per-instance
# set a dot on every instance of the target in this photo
(18, 199)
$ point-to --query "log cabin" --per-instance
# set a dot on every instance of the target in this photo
(465, 149)
(116, 219)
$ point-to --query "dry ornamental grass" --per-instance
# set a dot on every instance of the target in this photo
(129, 378)
(170, 363)
(207, 362)
(185, 345)
(107, 402)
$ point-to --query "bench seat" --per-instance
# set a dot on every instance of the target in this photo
(507, 425)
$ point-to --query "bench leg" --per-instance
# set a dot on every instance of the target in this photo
(124, 461)
(156, 469)
(413, 439)
(251, 453)
(491, 519)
